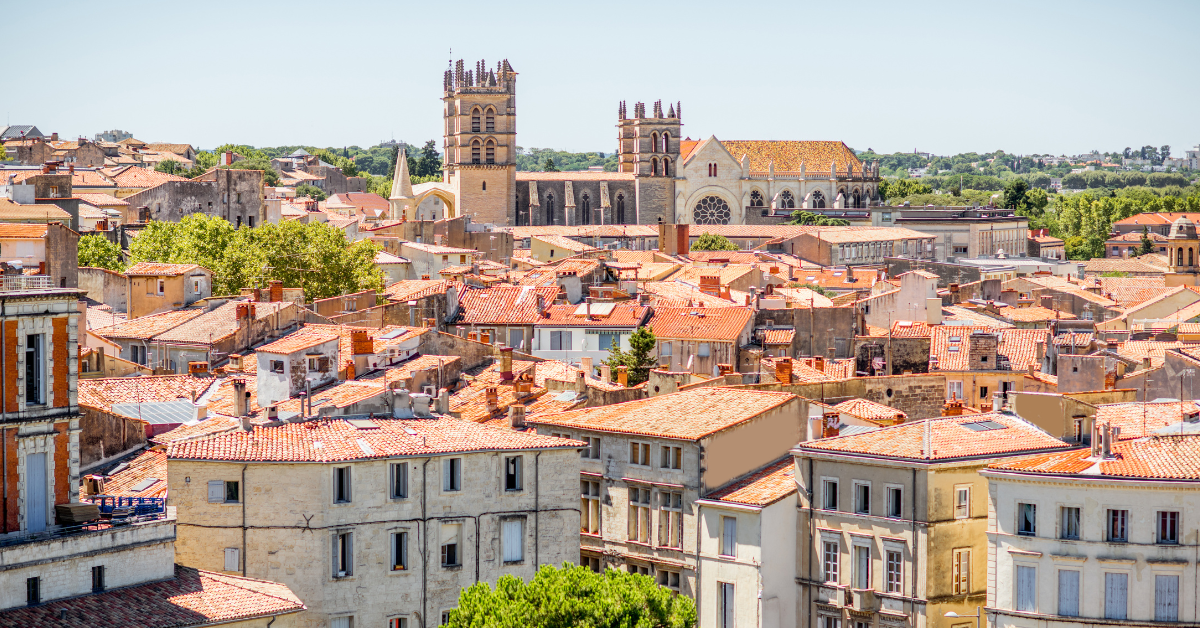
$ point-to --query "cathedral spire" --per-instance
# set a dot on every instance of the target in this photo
(401, 183)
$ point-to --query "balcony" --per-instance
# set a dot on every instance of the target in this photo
(830, 594)
(862, 600)
(106, 535)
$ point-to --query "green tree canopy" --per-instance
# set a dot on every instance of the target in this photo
(97, 252)
(1014, 194)
(639, 359)
(311, 191)
(170, 166)
(803, 217)
(713, 242)
(315, 256)
(899, 188)
(573, 596)
(548, 165)
(258, 162)
(1147, 245)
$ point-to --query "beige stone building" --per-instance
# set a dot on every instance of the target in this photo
(892, 523)
(648, 462)
(155, 287)
(373, 518)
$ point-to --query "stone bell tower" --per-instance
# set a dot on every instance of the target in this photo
(480, 143)
(648, 148)
(1183, 254)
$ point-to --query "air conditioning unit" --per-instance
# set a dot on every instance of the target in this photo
(429, 390)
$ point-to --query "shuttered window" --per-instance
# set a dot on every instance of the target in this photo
(728, 536)
(341, 622)
(216, 492)
(513, 540)
(832, 555)
(1068, 592)
(961, 571)
(862, 566)
(1166, 598)
(895, 574)
(726, 603)
(343, 555)
(1116, 595)
(1026, 588)
(231, 559)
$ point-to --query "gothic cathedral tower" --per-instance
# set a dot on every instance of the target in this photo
(481, 141)
(648, 148)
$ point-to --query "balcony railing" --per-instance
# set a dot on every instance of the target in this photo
(18, 283)
(117, 517)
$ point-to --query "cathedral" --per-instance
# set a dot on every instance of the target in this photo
(662, 176)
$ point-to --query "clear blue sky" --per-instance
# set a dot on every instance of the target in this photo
(945, 77)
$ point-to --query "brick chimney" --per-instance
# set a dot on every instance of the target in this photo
(516, 416)
(954, 407)
(350, 372)
(276, 290)
(818, 363)
(492, 398)
(623, 376)
(197, 368)
(485, 337)
(506, 368)
(830, 420)
(783, 370)
(606, 373)
(585, 364)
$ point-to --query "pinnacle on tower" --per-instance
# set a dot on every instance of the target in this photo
(678, 110)
(671, 113)
(401, 183)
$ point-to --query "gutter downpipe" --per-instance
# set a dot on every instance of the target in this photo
(424, 543)
(245, 495)
(812, 531)
(912, 524)
(699, 558)
(537, 524)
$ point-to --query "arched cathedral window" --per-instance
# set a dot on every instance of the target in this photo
(491, 152)
(654, 142)
(550, 208)
(666, 142)
(654, 166)
(475, 120)
(585, 208)
(711, 210)
(666, 167)
(756, 199)
(475, 151)
(620, 209)
(818, 200)
(786, 200)
(490, 120)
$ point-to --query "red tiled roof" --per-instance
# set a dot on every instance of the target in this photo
(378, 343)
(361, 200)
(191, 598)
(1034, 314)
(778, 336)
(218, 323)
(678, 294)
(1137, 419)
(149, 326)
(158, 269)
(564, 243)
(503, 305)
(148, 465)
(622, 314)
(760, 488)
(912, 329)
(298, 341)
(214, 424)
(948, 439)
(711, 323)
(412, 289)
(330, 440)
(687, 415)
(135, 177)
(1020, 345)
(21, 231)
(1167, 457)
(102, 393)
(867, 409)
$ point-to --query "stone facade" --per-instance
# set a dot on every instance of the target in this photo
(480, 112)
(235, 195)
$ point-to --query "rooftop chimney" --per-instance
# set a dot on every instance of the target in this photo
(830, 424)
(492, 398)
(241, 398)
(585, 364)
(516, 416)
(783, 370)
(606, 373)
(197, 368)
(506, 368)
(276, 290)
(954, 407)
(623, 376)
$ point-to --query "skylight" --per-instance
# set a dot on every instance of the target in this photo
(984, 426)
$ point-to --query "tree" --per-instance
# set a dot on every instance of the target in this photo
(713, 242)
(802, 217)
(270, 176)
(639, 359)
(170, 166)
(311, 191)
(573, 596)
(430, 163)
(96, 251)
(548, 165)
(1147, 245)
(1164, 153)
(825, 292)
(1014, 194)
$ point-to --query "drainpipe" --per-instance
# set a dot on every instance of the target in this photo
(812, 530)
(244, 496)
(537, 527)
(912, 523)
(424, 544)
(699, 561)
(3, 410)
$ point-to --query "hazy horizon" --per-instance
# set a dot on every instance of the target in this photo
(939, 77)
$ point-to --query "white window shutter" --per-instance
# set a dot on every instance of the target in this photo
(1026, 588)
(231, 559)
(513, 539)
(446, 474)
(1115, 595)
(1068, 592)
(216, 491)
(349, 554)
(1166, 598)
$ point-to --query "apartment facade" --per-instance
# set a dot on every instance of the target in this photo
(155, 287)
(375, 520)
(892, 523)
(569, 333)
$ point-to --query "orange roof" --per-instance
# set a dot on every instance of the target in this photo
(102, 200)
(191, 598)
(760, 488)
(21, 231)
(561, 242)
(1166, 457)
(102, 393)
(789, 155)
(727, 274)
(335, 439)
(217, 324)
(136, 177)
(951, 346)
(298, 341)
(214, 424)
(621, 314)
(379, 343)
(1137, 419)
(712, 323)
(412, 289)
(948, 438)
(1034, 314)
(687, 415)
(361, 200)
(778, 336)
(679, 294)
(503, 305)
(149, 326)
(159, 269)
(148, 465)
(867, 409)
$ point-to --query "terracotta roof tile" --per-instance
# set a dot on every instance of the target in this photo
(867, 409)
(503, 305)
(1137, 419)
(561, 242)
(688, 415)
(1034, 314)
(679, 294)
(948, 439)
(760, 488)
(218, 323)
(778, 336)
(158, 269)
(149, 326)
(721, 323)
(412, 289)
(379, 343)
(816, 156)
(101, 393)
(213, 424)
(38, 212)
(148, 465)
(335, 439)
(626, 314)
(950, 344)
(1166, 457)
(191, 598)
(298, 341)
(135, 177)
(22, 231)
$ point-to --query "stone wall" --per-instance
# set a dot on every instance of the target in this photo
(947, 273)
(623, 187)
(105, 436)
(908, 354)
(62, 255)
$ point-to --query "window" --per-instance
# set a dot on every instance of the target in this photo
(452, 474)
(399, 551)
(33, 591)
(560, 341)
(1116, 595)
(862, 566)
(195, 286)
(1026, 588)
(490, 152)
(249, 219)
(726, 605)
(639, 515)
(589, 506)
(1168, 527)
(97, 578)
(670, 519)
(398, 622)
(1118, 531)
(512, 540)
(983, 390)
(490, 121)
(474, 120)
(831, 622)
(277, 366)
(831, 558)
(786, 200)
(512, 473)
(639, 454)
(341, 485)
(1070, 523)
(1166, 598)
(445, 617)
(895, 503)
(34, 370)
(960, 572)
(1026, 519)
(862, 498)
(664, 349)
(668, 579)
(1068, 592)
(638, 569)
(703, 350)
(671, 458)
(886, 217)
(343, 554)
(954, 390)
(162, 287)
(450, 544)
(609, 340)
(829, 489)
(756, 199)
(399, 484)
(666, 143)
(593, 447)
(232, 558)
(475, 152)
(221, 492)
(592, 562)
(484, 185)
(895, 572)
(962, 502)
